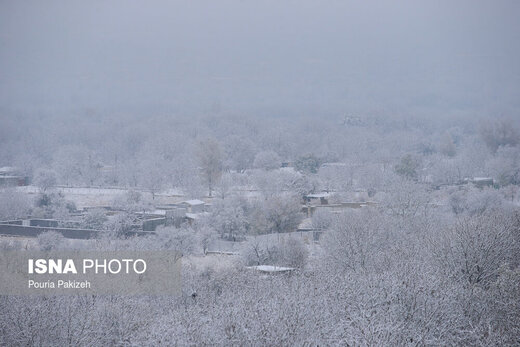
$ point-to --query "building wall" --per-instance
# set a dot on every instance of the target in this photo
(69, 233)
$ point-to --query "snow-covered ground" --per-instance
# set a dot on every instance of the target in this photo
(97, 197)
(271, 268)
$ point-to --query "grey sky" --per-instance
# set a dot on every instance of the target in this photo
(259, 56)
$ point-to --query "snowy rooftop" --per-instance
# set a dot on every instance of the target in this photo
(306, 224)
(196, 215)
(271, 268)
(194, 202)
(158, 212)
(482, 179)
(333, 165)
(318, 195)
(7, 169)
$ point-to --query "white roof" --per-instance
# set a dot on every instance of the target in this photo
(8, 169)
(319, 195)
(194, 202)
(305, 224)
(271, 268)
(196, 215)
(333, 164)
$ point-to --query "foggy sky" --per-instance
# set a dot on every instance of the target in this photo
(285, 56)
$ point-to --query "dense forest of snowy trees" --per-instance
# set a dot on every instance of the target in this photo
(167, 152)
(434, 261)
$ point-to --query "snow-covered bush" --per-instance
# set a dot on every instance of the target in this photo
(290, 251)
(50, 240)
(267, 160)
(13, 204)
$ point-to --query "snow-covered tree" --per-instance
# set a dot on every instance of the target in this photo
(229, 218)
(474, 248)
(210, 159)
(14, 204)
(408, 167)
(500, 132)
(280, 214)
(51, 240)
(267, 160)
(45, 179)
(505, 165)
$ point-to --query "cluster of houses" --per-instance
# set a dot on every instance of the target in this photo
(177, 213)
(314, 202)
(479, 182)
(12, 177)
(170, 214)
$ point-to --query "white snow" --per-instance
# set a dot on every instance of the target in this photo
(271, 268)
(196, 215)
(194, 202)
(318, 195)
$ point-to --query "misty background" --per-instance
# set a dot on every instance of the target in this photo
(276, 58)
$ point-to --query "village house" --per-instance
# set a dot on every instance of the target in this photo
(194, 206)
(12, 177)
(313, 199)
